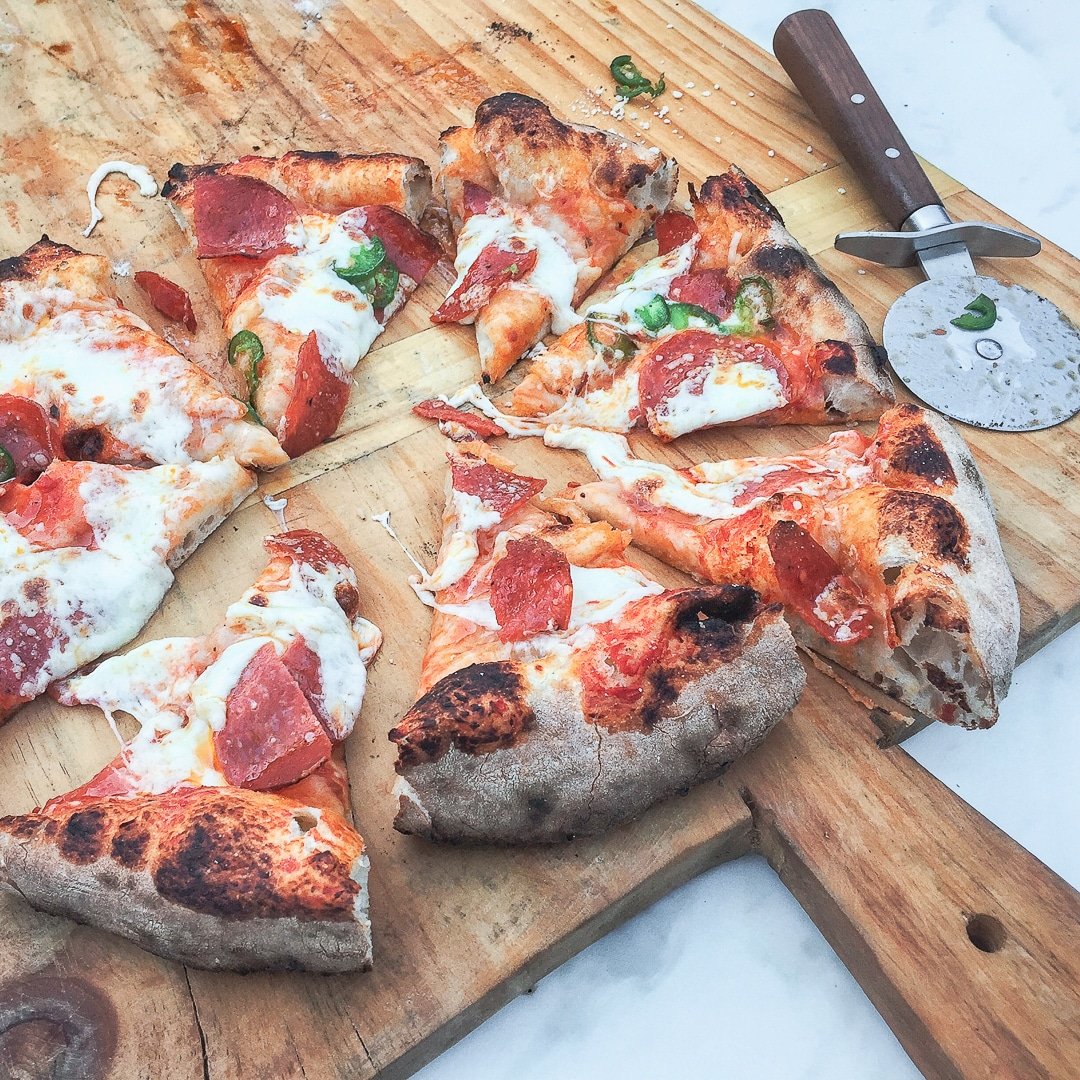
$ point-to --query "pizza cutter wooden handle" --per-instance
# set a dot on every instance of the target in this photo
(964, 941)
(825, 71)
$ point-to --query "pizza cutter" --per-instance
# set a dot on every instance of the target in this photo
(992, 355)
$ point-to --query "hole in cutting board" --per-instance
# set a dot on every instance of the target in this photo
(986, 933)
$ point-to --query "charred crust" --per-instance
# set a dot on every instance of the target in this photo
(478, 709)
(34, 259)
(779, 260)
(836, 357)
(224, 866)
(707, 610)
(914, 449)
(736, 193)
(129, 844)
(82, 839)
(879, 356)
(700, 629)
(931, 525)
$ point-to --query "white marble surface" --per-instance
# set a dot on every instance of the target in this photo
(727, 977)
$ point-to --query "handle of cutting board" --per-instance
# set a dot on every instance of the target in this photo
(825, 71)
(965, 942)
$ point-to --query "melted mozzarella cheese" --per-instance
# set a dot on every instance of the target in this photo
(730, 392)
(308, 609)
(555, 274)
(101, 598)
(137, 174)
(300, 292)
(151, 683)
(641, 286)
(178, 688)
(467, 515)
(79, 362)
(600, 595)
(611, 459)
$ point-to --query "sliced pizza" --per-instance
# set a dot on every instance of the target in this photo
(307, 256)
(883, 551)
(115, 391)
(220, 836)
(563, 690)
(541, 209)
(88, 551)
(732, 323)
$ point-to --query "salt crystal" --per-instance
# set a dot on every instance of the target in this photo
(676, 93)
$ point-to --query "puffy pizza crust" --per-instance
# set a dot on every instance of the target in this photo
(217, 878)
(493, 756)
(742, 220)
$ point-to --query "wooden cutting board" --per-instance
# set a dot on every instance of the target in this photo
(903, 878)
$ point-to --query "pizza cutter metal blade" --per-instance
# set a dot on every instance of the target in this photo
(991, 355)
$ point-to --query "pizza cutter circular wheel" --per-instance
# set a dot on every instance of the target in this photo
(1020, 373)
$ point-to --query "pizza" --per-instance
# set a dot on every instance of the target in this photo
(883, 550)
(541, 210)
(563, 690)
(731, 323)
(115, 391)
(307, 256)
(88, 549)
(220, 835)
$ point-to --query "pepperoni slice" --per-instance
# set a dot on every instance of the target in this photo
(310, 547)
(672, 229)
(26, 643)
(50, 513)
(531, 589)
(167, 297)
(410, 249)
(812, 583)
(239, 215)
(477, 423)
(304, 666)
(712, 290)
(493, 268)
(770, 484)
(476, 199)
(685, 359)
(271, 737)
(503, 491)
(28, 436)
(318, 401)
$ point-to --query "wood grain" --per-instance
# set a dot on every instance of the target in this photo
(460, 932)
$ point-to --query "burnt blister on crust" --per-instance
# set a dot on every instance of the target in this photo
(702, 629)
(83, 837)
(913, 449)
(478, 709)
(835, 357)
(222, 863)
(782, 261)
(738, 194)
(930, 524)
(130, 843)
(34, 259)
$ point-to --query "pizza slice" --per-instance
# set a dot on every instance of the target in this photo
(116, 391)
(732, 323)
(307, 257)
(220, 836)
(563, 690)
(541, 210)
(88, 552)
(883, 551)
